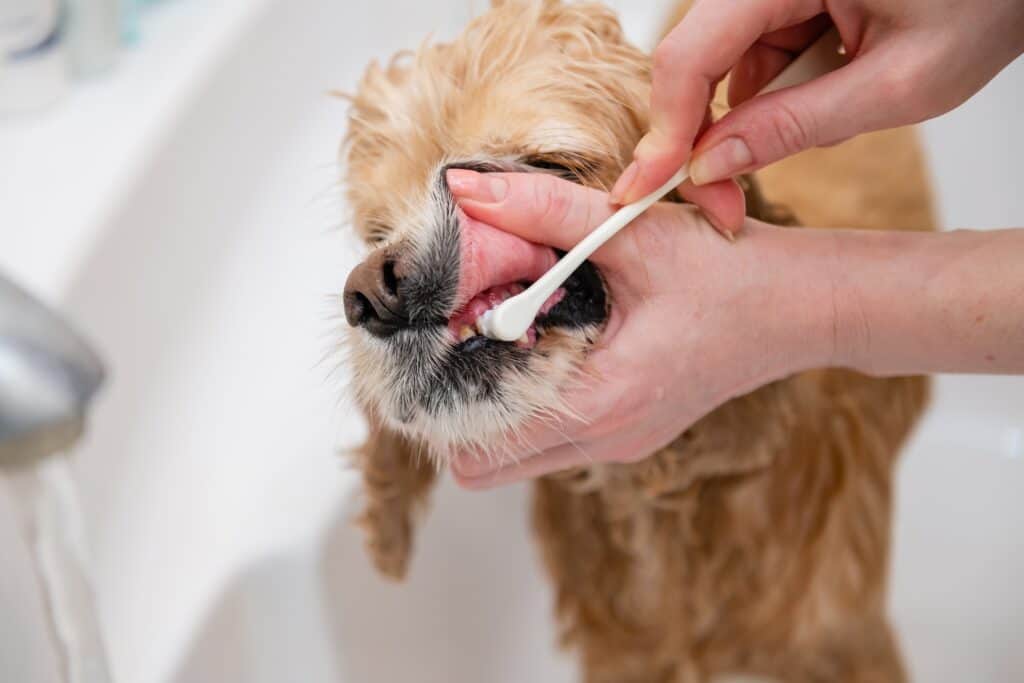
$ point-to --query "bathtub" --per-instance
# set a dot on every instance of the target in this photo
(217, 499)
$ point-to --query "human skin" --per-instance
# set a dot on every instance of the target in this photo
(911, 60)
(697, 320)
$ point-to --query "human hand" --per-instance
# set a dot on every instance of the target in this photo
(911, 60)
(694, 321)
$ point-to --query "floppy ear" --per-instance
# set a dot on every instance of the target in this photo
(397, 481)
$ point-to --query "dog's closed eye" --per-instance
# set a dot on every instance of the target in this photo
(375, 233)
(568, 165)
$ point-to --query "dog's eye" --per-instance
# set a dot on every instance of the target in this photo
(567, 165)
(546, 164)
(376, 233)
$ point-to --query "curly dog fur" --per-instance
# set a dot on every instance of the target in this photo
(756, 543)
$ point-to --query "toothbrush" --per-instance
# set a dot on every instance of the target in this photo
(510, 320)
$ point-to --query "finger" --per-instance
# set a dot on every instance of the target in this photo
(772, 53)
(758, 66)
(723, 204)
(554, 460)
(626, 447)
(689, 61)
(770, 127)
(538, 207)
(533, 439)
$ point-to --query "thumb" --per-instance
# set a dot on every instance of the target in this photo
(538, 207)
(770, 127)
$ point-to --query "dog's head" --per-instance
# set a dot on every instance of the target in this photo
(529, 86)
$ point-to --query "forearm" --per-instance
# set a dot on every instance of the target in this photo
(932, 302)
(894, 303)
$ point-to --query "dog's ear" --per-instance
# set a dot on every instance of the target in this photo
(397, 479)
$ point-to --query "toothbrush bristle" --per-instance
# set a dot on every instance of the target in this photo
(485, 324)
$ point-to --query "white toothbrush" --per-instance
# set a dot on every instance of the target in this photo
(512, 318)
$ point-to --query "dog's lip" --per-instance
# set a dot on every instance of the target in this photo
(489, 257)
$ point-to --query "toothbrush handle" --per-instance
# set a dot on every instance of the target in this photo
(826, 54)
(512, 318)
(823, 56)
(550, 281)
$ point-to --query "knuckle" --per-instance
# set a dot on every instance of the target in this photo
(792, 131)
(899, 86)
(553, 202)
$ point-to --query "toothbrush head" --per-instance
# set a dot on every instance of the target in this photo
(508, 321)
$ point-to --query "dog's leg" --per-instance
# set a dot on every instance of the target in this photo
(397, 482)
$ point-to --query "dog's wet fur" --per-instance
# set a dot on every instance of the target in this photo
(757, 542)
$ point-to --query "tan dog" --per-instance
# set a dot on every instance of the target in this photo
(756, 543)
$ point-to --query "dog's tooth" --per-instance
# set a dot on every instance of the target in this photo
(466, 332)
(523, 341)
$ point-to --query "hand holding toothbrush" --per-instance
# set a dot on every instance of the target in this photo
(677, 348)
(697, 321)
(910, 60)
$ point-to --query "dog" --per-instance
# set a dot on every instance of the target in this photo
(757, 542)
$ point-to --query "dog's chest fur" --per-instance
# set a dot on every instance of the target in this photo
(722, 538)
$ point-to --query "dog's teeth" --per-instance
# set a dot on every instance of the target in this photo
(466, 332)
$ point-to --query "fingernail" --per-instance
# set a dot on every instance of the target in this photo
(625, 181)
(719, 225)
(479, 187)
(461, 180)
(724, 160)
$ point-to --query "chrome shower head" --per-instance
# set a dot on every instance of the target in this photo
(48, 376)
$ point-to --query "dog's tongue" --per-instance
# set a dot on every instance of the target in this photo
(491, 257)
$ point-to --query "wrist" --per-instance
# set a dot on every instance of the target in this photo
(797, 314)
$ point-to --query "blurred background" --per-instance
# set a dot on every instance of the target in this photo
(168, 181)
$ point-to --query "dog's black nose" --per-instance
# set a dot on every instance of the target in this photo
(373, 299)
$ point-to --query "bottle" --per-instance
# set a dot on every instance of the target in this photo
(33, 70)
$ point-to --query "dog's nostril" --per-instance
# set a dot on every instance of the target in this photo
(372, 298)
(389, 278)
